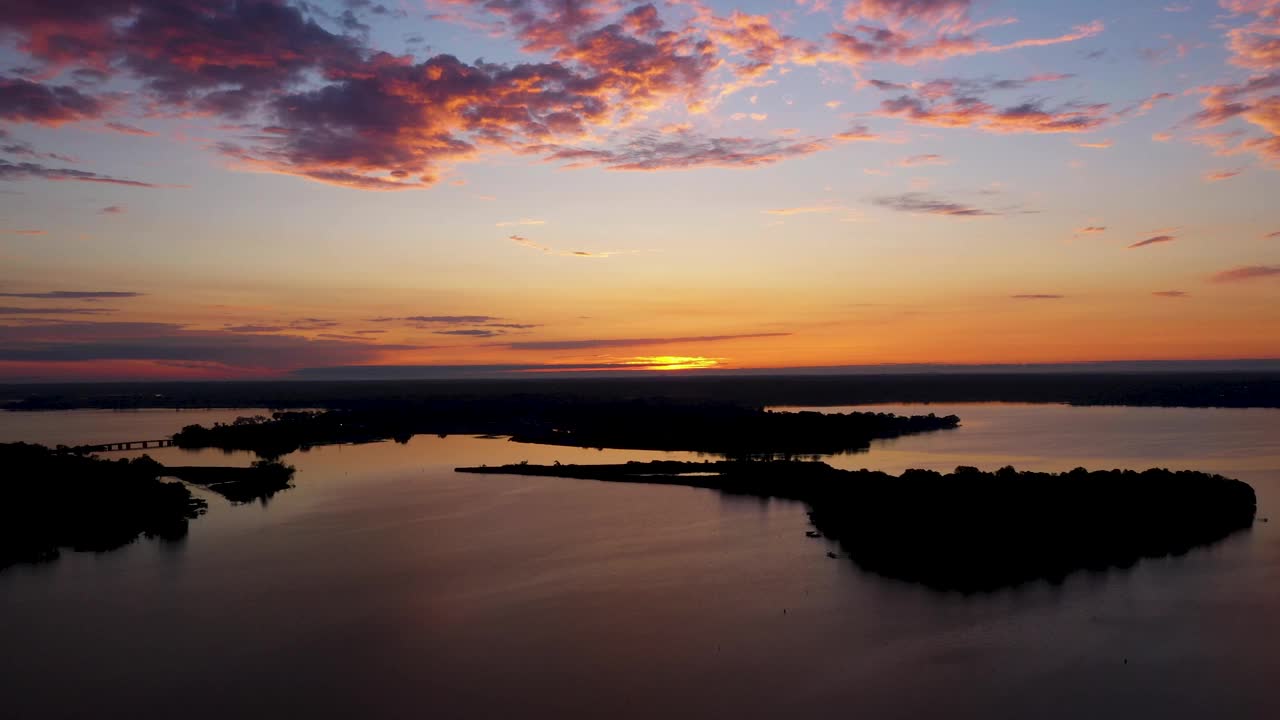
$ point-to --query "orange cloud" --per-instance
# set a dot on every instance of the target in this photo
(1220, 175)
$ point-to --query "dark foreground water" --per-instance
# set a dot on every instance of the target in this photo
(385, 585)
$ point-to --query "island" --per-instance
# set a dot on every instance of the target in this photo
(57, 498)
(635, 424)
(969, 530)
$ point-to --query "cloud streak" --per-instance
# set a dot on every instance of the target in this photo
(12, 171)
(1156, 240)
(915, 202)
(595, 344)
(73, 295)
(1245, 273)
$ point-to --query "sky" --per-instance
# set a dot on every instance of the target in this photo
(213, 189)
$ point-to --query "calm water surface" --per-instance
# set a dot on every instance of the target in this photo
(385, 585)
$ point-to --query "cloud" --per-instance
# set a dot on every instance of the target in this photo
(166, 342)
(254, 328)
(1248, 272)
(907, 32)
(439, 319)
(29, 232)
(328, 106)
(916, 202)
(1096, 144)
(526, 242)
(1171, 293)
(24, 101)
(473, 332)
(657, 151)
(1272, 235)
(521, 221)
(1028, 117)
(112, 210)
(857, 133)
(959, 102)
(1037, 296)
(127, 129)
(29, 171)
(55, 311)
(919, 160)
(630, 342)
(1256, 101)
(74, 295)
(1153, 241)
(1091, 229)
(1255, 45)
(1220, 175)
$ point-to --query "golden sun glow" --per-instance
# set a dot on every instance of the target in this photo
(672, 362)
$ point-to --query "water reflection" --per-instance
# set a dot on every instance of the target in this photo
(384, 583)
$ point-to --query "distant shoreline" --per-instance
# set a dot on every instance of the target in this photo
(1168, 388)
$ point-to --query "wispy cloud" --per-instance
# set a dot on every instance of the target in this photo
(1037, 296)
(86, 341)
(915, 202)
(1171, 293)
(1091, 230)
(918, 160)
(526, 242)
(438, 319)
(73, 295)
(55, 311)
(470, 332)
(35, 171)
(521, 221)
(112, 210)
(631, 342)
(1220, 175)
(1153, 241)
(1248, 272)
(127, 129)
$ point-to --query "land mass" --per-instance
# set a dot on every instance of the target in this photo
(56, 498)
(968, 530)
(1238, 385)
(639, 424)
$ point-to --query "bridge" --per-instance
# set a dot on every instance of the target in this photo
(128, 445)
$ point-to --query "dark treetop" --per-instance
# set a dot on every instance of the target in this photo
(56, 499)
(631, 424)
(971, 530)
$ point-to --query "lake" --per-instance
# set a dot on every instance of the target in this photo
(386, 585)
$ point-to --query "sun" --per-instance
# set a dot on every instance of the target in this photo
(672, 362)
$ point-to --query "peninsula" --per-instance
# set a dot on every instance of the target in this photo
(968, 530)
